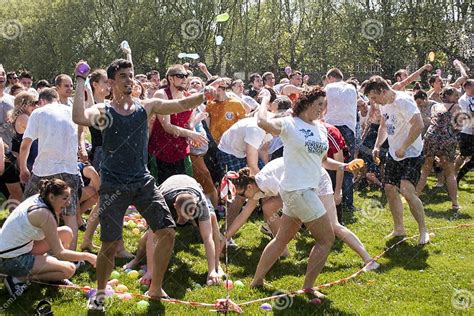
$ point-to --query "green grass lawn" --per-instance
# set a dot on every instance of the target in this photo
(411, 280)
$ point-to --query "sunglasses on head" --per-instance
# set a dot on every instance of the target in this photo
(181, 76)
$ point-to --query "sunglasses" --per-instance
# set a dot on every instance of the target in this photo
(181, 76)
(193, 83)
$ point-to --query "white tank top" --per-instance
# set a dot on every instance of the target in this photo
(17, 233)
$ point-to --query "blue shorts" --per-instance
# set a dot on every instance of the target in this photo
(19, 266)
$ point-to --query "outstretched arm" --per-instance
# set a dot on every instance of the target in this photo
(402, 84)
(165, 107)
(81, 115)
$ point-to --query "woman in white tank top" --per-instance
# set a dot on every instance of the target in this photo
(32, 230)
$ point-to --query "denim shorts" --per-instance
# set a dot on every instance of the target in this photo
(18, 266)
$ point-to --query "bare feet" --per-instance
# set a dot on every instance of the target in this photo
(157, 295)
(396, 233)
(146, 279)
(424, 238)
(124, 254)
(256, 283)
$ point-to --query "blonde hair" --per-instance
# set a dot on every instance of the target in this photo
(22, 101)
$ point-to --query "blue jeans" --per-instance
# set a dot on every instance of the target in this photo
(347, 184)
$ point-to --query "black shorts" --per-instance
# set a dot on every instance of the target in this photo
(114, 201)
(406, 169)
(11, 174)
(466, 144)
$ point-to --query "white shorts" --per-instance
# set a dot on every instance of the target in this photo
(325, 184)
(304, 205)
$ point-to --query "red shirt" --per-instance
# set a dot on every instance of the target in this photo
(167, 147)
(336, 141)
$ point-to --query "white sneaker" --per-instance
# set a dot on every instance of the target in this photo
(95, 305)
(371, 266)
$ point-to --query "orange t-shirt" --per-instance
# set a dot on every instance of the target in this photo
(223, 115)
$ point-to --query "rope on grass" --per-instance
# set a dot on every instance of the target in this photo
(227, 305)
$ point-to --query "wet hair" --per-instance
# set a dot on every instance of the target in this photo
(446, 93)
(253, 77)
(376, 83)
(21, 102)
(116, 65)
(284, 103)
(420, 94)
(25, 74)
(152, 73)
(335, 73)
(432, 79)
(42, 84)
(266, 75)
(398, 74)
(15, 88)
(95, 76)
(49, 95)
(51, 186)
(468, 83)
(294, 74)
(244, 178)
(306, 98)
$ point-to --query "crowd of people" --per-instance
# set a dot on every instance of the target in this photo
(118, 139)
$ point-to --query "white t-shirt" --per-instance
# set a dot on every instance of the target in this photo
(6, 129)
(305, 145)
(397, 116)
(246, 131)
(52, 125)
(467, 106)
(268, 179)
(342, 105)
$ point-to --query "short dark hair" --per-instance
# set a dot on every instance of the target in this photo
(26, 74)
(49, 95)
(398, 74)
(284, 103)
(432, 79)
(116, 65)
(265, 75)
(468, 82)
(420, 94)
(42, 84)
(376, 83)
(306, 98)
(253, 77)
(95, 77)
(59, 79)
(152, 73)
(335, 73)
(294, 73)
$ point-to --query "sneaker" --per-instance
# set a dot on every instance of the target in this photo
(231, 243)
(95, 305)
(13, 287)
(65, 282)
(266, 230)
(371, 266)
(79, 265)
